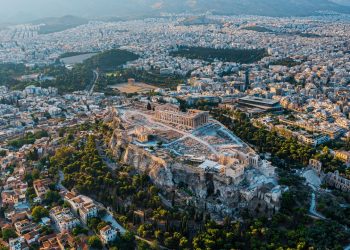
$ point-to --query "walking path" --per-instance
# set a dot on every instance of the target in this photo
(61, 178)
(94, 81)
(312, 209)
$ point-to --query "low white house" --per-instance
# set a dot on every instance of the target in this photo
(108, 234)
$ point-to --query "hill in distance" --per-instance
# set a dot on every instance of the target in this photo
(24, 10)
(342, 2)
(262, 7)
(198, 20)
(57, 24)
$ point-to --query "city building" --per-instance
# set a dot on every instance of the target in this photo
(343, 155)
(41, 187)
(337, 181)
(88, 211)
(108, 234)
(82, 205)
(261, 103)
(18, 244)
(63, 218)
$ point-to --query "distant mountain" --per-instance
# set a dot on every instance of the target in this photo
(342, 2)
(25, 10)
(198, 20)
(56, 24)
(259, 7)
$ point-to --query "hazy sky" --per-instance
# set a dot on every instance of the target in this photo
(25, 10)
(31, 9)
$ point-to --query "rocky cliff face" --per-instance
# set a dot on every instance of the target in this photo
(165, 174)
(210, 192)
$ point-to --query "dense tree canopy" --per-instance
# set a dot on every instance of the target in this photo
(228, 55)
(95, 242)
(39, 212)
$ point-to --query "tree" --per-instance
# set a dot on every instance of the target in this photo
(173, 242)
(46, 230)
(183, 242)
(61, 132)
(35, 174)
(93, 223)
(8, 233)
(52, 197)
(33, 155)
(95, 242)
(145, 230)
(39, 212)
(141, 245)
(155, 245)
(159, 144)
(158, 234)
(69, 138)
(79, 230)
(170, 242)
(128, 236)
(149, 107)
(101, 225)
(325, 150)
(2, 247)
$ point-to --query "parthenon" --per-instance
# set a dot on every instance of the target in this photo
(171, 114)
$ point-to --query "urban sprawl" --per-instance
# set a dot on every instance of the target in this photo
(182, 136)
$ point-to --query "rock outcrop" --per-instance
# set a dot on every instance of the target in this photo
(211, 192)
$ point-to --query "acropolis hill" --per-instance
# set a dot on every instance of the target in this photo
(195, 157)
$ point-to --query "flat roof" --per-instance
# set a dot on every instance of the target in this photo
(258, 99)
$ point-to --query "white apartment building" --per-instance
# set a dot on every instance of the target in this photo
(63, 218)
(108, 234)
(87, 211)
(83, 205)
